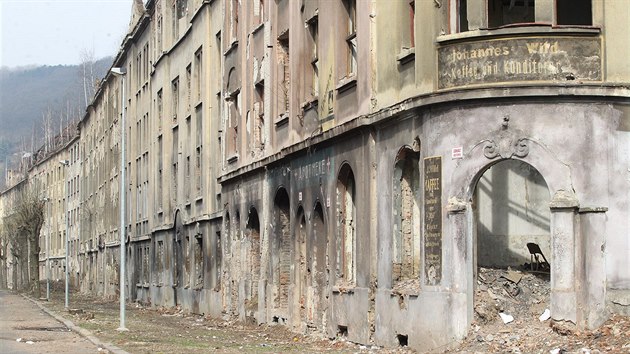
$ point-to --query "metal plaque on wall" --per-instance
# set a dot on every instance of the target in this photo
(554, 58)
(433, 220)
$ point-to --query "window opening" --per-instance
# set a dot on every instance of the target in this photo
(284, 73)
(506, 12)
(346, 240)
(406, 240)
(574, 12)
(351, 37)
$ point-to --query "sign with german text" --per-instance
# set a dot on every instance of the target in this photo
(548, 58)
(433, 220)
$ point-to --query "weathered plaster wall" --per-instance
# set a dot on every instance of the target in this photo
(563, 169)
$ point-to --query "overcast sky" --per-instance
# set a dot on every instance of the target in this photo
(52, 32)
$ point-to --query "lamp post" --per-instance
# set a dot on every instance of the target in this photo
(66, 163)
(121, 72)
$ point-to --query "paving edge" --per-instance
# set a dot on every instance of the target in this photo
(81, 331)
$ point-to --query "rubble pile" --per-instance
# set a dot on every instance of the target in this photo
(521, 295)
(512, 316)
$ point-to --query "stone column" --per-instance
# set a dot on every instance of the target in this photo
(592, 277)
(459, 225)
(563, 207)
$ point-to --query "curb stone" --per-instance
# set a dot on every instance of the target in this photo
(81, 331)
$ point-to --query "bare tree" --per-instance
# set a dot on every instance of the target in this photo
(87, 74)
(47, 127)
(4, 247)
(21, 230)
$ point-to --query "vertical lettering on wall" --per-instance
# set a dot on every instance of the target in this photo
(433, 220)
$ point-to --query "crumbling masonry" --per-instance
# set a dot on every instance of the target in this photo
(343, 166)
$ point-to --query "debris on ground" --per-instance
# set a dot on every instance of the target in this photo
(525, 295)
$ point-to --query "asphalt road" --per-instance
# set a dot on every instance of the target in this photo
(39, 333)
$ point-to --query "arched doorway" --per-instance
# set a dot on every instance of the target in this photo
(280, 257)
(235, 256)
(512, 242)
(252, 261)
(317, 269)
(302, 269)
(346, 228)
(230, 292)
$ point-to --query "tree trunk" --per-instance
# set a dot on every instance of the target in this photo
(34, 266)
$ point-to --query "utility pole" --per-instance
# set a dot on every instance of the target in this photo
(121, 72)
(66, 164)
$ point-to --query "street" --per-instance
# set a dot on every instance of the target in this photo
(39, 333)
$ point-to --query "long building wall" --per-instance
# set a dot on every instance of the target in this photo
(342, 166)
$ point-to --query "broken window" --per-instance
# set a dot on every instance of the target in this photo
(182, 8)
(259, 11)
(174, 22)
(284, 73)
(145, 266)
(160, 170)
(505, 12)
(198, 149)
(574, 12)
(314, 77)
(175, 98)
(160, 109)
(234, 118)
(175, 163)
(198, 257)
(160, 32)
(186, 259)
(259, 117)
(346, 227)
(514, 12)
(187, 180)
(159, 258)
(188, 87)
(350, 7)
(138, 263)
(218, 259)
(234, 20)
(187, 167)
(406, 233)
(198, 74)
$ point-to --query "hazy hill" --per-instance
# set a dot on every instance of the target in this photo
(27, 93)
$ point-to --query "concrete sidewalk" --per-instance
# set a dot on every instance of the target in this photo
(25, 328)
(81, 331)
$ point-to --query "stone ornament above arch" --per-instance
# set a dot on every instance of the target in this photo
(506, 143)
(501, 144)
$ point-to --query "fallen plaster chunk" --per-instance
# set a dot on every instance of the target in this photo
(506, 318)
(545, 316)
(514, 277)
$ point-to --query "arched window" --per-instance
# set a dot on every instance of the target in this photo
(281, 250)
(253, 261)
(406, 217)
(346, 227)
